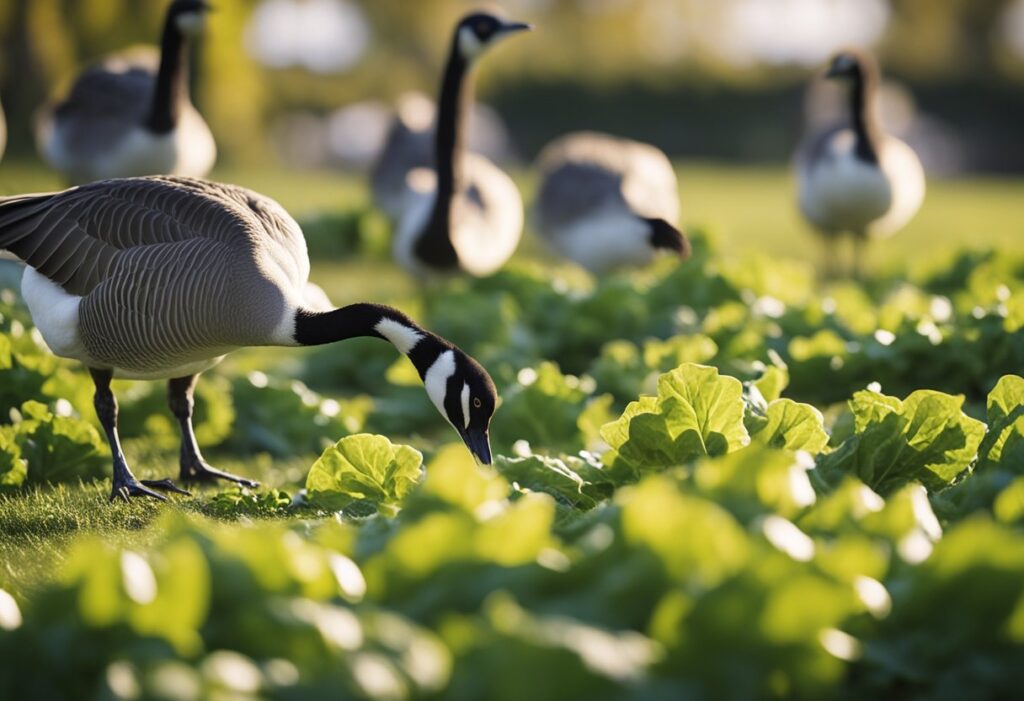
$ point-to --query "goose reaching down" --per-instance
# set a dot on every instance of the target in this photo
(126, 117)
(159, 277)
(467, 214)
(853, 178)
(607, 202)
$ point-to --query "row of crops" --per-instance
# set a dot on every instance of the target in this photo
(716, 481)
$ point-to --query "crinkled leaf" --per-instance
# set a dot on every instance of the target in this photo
(364, 467)
(925, 437)
(697, 412)
(793, 426)
(552, 475)
(1004, 443)
(59, 448)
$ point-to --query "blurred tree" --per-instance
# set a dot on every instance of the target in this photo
(588, 45)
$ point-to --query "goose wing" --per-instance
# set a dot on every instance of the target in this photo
(75, 238)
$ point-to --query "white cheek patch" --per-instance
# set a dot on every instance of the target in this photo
(465, 403)
(435, 380)
(401, 336)
(190, 23)
(469, 45)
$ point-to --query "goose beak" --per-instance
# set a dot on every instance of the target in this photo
(514, 27)
(479, 444)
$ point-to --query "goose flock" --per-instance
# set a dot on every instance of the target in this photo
(145, 271)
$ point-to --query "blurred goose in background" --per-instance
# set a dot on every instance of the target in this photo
(128, 116)
(159, 277)
(607, 202)
(409, 143)
(852, 177)
(467, 215)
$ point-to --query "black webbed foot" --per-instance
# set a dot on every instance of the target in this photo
(126, 487)
(199, 471)
(166, 485)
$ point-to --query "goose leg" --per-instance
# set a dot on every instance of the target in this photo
(828, 251)
(858, 257)
(193, 467)
(125, 484)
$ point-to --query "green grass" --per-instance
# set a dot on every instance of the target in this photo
(37, 525)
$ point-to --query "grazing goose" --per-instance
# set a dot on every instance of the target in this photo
(159, 277)
(467, 215)
(122, 118)
(853, 178)
(606, 202)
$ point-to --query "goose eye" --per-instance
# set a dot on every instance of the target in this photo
(477, 403)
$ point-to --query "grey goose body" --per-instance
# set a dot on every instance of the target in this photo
(167, 271)
(158, 277)
(606, 202)
(130, 113)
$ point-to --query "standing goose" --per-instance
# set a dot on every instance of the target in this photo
(606, 202)
(853, 178)
(159, 277)
(467, 215)
(121, 118)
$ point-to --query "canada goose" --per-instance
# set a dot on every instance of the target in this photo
(126, 117)
(159, 277)
(467, 215)
(853, 178)
(606, 202)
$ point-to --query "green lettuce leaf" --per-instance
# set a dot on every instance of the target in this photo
(1004, 443)
(925, 437)
(364, 467)
(697, 412)
(59, 449)
(793, 426)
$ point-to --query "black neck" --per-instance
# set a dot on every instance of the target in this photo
(435, 246)
(360, 320)
(862, 112)
(171, 89)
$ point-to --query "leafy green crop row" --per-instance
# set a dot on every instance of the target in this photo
(719, 549)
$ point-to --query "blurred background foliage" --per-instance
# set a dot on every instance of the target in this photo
(719, 79)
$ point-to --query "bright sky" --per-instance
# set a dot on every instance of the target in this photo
(798, 31)
(323, 36)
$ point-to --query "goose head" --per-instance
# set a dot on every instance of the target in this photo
(851, 66)
(478, 31)
(666, 237)
(460, 389)
(189, 16)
